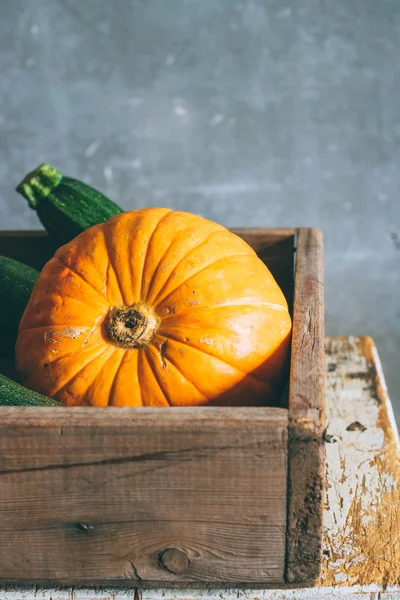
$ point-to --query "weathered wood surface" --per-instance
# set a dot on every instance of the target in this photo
(362, 514)
(140, 496)
(361, 518)
(306, 413)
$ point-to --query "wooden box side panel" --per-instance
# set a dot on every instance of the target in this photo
(306, 413)
(143, 497)
(33, 248)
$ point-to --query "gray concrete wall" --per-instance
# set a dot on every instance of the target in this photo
(260, 112)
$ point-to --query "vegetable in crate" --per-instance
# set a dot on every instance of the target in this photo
(156, 308)
(16, 284)
(65, 206)
(14, 394)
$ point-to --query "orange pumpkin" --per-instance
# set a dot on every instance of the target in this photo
(155, 308)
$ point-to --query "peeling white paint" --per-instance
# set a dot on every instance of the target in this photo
(348, 461)
(331, 593)
(354, 464)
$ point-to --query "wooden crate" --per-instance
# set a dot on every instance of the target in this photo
(181, 497)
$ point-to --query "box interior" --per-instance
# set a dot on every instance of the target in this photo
(275, 247)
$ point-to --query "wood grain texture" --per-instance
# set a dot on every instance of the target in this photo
(99, 496)
(306, 413)
(362, 514)
(261, 237)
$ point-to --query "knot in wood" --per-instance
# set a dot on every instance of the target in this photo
(175, 561)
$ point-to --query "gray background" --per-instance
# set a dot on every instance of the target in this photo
(249, 113)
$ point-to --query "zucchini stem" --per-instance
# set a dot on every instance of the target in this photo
(38, 184)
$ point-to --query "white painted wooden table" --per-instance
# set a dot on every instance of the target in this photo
(362, 514)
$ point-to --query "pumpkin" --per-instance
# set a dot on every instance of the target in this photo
(155, 308)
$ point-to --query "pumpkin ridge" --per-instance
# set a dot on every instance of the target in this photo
(108, 244)
(245, 373)
(114, 383)
(80, 277)
(139, 378)
(186, 377)
(109, 267)
(62, 388)
(57, 327)
(250, 304)
(97, 354)
(211, 264)
(146, 257)
(149, 357)
(70, 297)
(147, 362)
(56, 358)
(148, 300)
(193, 249)
(178, 233)
(104, 367)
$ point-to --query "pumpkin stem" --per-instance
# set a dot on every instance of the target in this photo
(39, 183)
(131, 326)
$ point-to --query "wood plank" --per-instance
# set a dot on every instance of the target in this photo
(98, 497)
(261, 237)
(362, 514)
(306, 413)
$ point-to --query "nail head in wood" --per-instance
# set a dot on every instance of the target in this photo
(356, 426)
(174, 561)
(84, 527)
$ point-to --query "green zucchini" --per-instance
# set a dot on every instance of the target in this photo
(16, 284)
(65, 206)
(14, 394)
